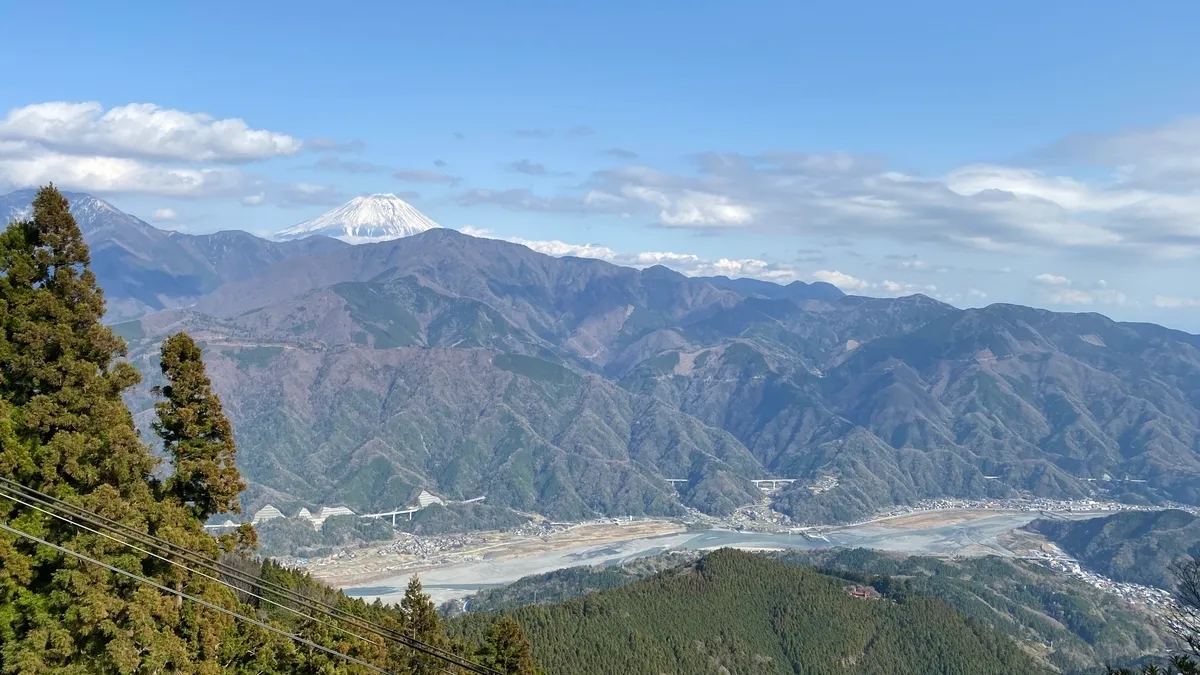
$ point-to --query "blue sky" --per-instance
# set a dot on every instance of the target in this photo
(1046, 153)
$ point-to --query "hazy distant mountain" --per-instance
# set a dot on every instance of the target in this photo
(797, 290)
(574, 386)
(366, 219)
(895, 399)
(142, 268)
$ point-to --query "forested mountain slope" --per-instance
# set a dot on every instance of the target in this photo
(1065, 623)
(742, 613)
(319, 350)
(1135, 547)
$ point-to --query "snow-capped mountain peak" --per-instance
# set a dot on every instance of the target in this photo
(366, 219)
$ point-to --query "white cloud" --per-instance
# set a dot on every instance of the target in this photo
(650, 258)
(311, 192)
(976, 294)
(1168, 302)
(701, 209)
(1164, 156)
(142, 130)
(734, 268)
(842, 280)
(1060, 290)
(144, 149)
(1052, 280)
(1063, 191)
(896, 288)
(684, 263)
(93, 173)
(561, 248)
(599, 198)
(677, 208)
(165, 214)
(1074, 296)
(1070, 297)
(1147, 205)
(887, 287)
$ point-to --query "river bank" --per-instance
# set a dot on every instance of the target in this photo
(950, 532)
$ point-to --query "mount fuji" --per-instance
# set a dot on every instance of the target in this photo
(366, 219)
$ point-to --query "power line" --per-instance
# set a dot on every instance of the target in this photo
(3, 493)
(237, 574)
(172, 562)
(204, 603)
(222, 568)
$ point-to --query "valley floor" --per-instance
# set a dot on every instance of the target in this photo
(490, 559)
(385, 562)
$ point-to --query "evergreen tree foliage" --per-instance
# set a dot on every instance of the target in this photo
(65, 430)
(507, 649)
(423, 623)
(196, 434)
(746, 614)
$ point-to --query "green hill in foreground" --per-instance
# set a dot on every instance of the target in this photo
(745, 614)
(1064, 623)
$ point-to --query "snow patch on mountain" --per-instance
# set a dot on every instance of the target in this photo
(91, 213)
(366, 219)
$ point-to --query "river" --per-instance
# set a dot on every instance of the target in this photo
(975, 537)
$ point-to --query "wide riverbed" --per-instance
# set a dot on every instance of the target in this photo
(973, 537)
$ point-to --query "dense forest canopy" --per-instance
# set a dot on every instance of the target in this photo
(750, 615)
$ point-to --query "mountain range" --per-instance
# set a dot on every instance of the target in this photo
(144, 269)
(574, 387)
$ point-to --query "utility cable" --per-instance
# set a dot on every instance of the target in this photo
(230, 571)
(3, 493)
(203, 603)
(222, 568)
